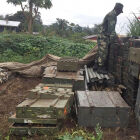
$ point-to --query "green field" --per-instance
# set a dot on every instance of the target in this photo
(26, 48)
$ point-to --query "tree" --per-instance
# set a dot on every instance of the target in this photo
(61, 27)
(2, 17)
(30, 9)
(19, 16)
(96, 28)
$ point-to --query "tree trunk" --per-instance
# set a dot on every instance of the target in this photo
(30, 21)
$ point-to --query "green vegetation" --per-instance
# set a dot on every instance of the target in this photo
(20, 16)
(82, 134)
(134, 26)
(26, 48)
(65, 29)
(30, 9)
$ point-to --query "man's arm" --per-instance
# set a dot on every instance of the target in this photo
(111, 25)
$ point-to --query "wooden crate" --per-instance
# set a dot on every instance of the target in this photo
(52, 76)
(137, 106)
(68, 64)
(106, 108)
(48, 91)
(13, 119)
(43, 108)
(25, 129)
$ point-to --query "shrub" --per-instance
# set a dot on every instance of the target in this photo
(26, 48)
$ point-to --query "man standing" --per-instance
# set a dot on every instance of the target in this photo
(107, 35)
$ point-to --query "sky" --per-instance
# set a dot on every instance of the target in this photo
(82, 12)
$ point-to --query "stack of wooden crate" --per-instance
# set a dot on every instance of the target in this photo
(43, 111)
(125, 63)
(133, 72)
(52, 76)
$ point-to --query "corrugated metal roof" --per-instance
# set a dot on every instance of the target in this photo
(9, 23)
(90, 36)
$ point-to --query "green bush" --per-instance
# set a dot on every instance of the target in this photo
(26, 48)
(134, 26)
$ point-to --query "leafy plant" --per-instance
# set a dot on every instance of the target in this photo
(24, 138)
(7, 137)
(134, 26)
(26, 48)
(98, 132)
(82, 134)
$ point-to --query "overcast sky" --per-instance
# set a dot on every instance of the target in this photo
(82, 12)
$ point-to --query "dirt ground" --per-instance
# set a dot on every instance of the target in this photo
(12, 93)
(15, 91)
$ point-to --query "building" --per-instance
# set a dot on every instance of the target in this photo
(9, 25)
(92, 38)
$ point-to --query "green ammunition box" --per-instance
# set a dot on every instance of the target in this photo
(25, 129)
(44, 91)
(52, 76)
(68, 64)
(43, 108)
(100, 107)
(13, 119)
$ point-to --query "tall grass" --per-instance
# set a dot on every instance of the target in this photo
(134, 26)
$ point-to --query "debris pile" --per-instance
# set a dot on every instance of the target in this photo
(4, 75)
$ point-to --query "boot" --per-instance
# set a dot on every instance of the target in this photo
(102, 70)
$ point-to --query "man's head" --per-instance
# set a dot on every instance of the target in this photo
(118, 8)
